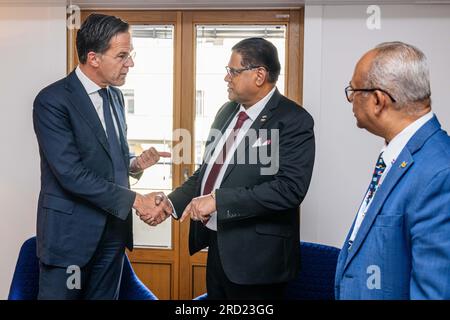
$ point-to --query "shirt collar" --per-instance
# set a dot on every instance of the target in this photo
(89, 85)
(254, 111)
(393, 149)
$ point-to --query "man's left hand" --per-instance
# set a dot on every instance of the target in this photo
(200, 208)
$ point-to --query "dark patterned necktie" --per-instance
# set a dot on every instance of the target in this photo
(120, 170)
(377, 173)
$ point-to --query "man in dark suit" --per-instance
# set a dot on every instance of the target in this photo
(245, 208)
(84, 221)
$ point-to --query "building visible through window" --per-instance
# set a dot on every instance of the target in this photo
(128, 96)
(199, 103)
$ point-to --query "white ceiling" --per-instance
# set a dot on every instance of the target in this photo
(206, 4)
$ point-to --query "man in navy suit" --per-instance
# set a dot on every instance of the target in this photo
(243, 207)
(399, 244)
(84, 217)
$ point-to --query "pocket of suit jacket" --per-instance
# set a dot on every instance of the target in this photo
(58, 204)
(274, 230)
(384, 220)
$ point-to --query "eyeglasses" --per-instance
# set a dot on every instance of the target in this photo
(232, 72)
(349, 92)
(123, 57)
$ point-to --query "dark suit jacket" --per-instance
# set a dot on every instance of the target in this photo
(77, 175)
(258, 214)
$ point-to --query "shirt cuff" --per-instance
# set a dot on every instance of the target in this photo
(174, 213)
(132, 160)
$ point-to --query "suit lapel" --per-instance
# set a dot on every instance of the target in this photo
(259, 123)
(404, 161)
(81, 101)
(394, 175)
(221, 124)
(118, 111)
(342, 259)
(267, 112)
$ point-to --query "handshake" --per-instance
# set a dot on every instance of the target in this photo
(152, 208)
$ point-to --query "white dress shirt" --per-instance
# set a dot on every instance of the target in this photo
(253, 113)
(390, 153)
(92, 90)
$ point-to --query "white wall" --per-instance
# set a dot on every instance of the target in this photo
(335, 38)
(33, 54)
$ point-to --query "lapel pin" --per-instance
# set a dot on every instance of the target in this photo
(263, 118)
(404, 164)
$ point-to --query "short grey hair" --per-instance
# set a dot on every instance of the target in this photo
(402, 70)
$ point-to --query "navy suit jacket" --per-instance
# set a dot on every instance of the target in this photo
(402, 249)
(77, 176)
(258, 222)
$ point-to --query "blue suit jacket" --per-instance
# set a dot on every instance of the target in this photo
(402, 249)
(77, 176)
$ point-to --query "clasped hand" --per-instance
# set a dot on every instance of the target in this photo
(152, 208)
(200, 208)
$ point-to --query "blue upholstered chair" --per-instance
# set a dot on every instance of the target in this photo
(316, 278)
(317, 270)
(25, 282)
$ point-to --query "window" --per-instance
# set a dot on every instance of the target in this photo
(128, 96)
(199, 103)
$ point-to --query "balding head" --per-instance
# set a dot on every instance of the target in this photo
(402, 70)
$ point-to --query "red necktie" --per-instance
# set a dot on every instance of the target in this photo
(214, 173)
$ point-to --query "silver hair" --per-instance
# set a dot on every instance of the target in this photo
(402, 70)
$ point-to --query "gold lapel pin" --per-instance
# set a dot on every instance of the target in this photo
(404, 164)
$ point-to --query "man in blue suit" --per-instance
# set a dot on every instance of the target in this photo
(84, 221)
(399, 244)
